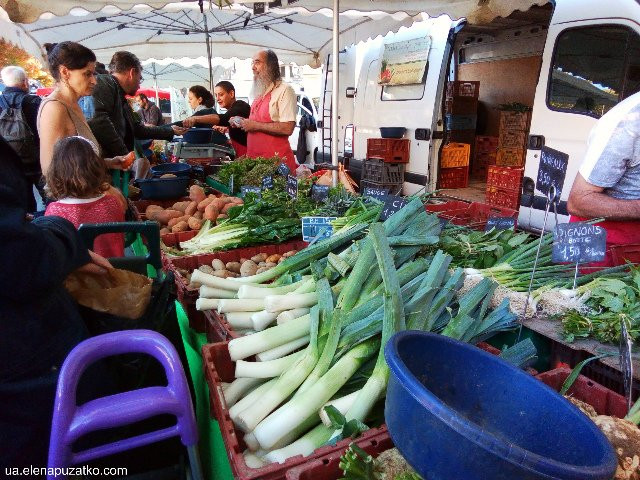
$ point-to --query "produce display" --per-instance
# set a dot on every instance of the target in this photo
(344, 299)
(248, 171)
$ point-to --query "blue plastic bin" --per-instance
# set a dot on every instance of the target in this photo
(457, 412)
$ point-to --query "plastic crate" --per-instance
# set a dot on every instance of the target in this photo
(455, 155)
(502, 197)
(461, 106)
(485, 144)
(512, 139)
(445, 206)
(485, 159)
(476, 214)
(187, 296)
(394, 188)
(511, 157)
(461, 122)
(622, 254)
(390, 150)
(377, 170)
(217, 328)
(219, 368)
(508, 178)
(515, 121)
(602, 399)
(453, 177)
(462, 89)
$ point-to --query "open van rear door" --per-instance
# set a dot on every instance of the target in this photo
(591, 62)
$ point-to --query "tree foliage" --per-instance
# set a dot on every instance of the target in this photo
(11, 54)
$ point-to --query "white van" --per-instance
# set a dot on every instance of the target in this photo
(306, 108)
(551, 57)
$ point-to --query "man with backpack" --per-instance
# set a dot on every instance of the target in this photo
(18, 115)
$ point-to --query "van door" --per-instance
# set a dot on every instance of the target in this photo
(591, 62)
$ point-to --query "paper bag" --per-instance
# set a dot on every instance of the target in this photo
(119, 292)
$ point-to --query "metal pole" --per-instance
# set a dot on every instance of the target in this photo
(334, 90)
(155, 84)
(207, 41)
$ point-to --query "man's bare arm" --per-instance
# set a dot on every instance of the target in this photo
(280, 129)
(210, 120)
(589, 201)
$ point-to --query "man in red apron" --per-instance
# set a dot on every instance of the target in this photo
(608, 182)
(225, 94)
(273, 112)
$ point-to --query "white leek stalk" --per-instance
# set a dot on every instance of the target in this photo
(212, 281)
(245, 305)
(268, 369)
(280, 303)
(287, 315)
(203, 304)
(253, 291)
(342, 404)
(262, 319)
(251, 442)
(304, 446)
(239, 320)
(250, 398)
(238, 388)
(213, 292)
(252, 460)
(283, 350)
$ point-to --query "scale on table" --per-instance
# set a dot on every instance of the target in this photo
(211, 151)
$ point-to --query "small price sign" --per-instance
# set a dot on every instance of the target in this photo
(267, 182)
(392, 204)
(578, 242)
(244, 189)
(377, 193)
(551, 173)
(313, 227)
(292, 186)
(283, 170)
(319, 193)
(500, 223)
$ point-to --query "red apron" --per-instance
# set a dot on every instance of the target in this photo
(263, 144)
(618, 233)
(241, 150)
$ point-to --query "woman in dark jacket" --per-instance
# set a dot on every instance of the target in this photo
(39, 321)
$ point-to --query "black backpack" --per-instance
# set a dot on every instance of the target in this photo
(16, 131)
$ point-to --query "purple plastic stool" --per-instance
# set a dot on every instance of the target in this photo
(71, 422)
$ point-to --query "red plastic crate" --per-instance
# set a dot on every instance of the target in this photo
(454, 177)
(485, 159)
(485, 144)
(219, 368)
(622, 254)
(446, 206)
(477, 214)
(188, 296)
(501, 197)
(391, 150)
(603, 400)
(462, 89)
(504, 177)
(217, 328)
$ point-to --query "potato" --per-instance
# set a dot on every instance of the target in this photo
(261, 257)
(180, 227)
(191, 208)
(166, 215)
(218, 264)
(196, 193)
(270, 264)
(203, 204)
(242, 260)
(248, 268)
(206, 269)
(233, 274)
(273, 258)
(233, 266)
(177, 220)
(261, 269)
(211, 212)
(194, 223)
(182, 206)
(220, 273)
(164, 231)
(290, 253)
(151, 208)
(262, 264)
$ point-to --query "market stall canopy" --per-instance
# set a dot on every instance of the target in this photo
(177, 31)
(179, 75)
(476, 11)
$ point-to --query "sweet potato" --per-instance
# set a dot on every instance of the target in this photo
(211, 212)
(180, 227)
(219, 203)
(194, 223)
(166, 215)
(197, 215)
(191, 208)
(203, 204)
(273, 258)
(182, 206)
(151, 208)
(237, 200)
(227, 206)
(175, 221)
(196, 193)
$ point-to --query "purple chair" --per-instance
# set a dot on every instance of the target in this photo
(71, 422)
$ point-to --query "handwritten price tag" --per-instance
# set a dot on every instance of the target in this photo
(578, 242)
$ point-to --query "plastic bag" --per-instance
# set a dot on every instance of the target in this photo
(343, 177)
(119, 292)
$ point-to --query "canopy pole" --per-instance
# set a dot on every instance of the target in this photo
(207, 41)
(155, 84)
(334, 90)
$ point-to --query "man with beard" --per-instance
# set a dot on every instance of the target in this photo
(273, 112)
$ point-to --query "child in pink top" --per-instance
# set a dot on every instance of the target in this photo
(78, 180)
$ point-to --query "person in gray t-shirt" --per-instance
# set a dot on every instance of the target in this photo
(608, 182)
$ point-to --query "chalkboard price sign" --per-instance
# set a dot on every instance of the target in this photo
(244, 189)
(267, 182)
(392, 204)
(551, 172)
(578, 242)
(292, 186)
(377, 193)
(283, 170)
(500, 223)
(319, 193)
(312, 226)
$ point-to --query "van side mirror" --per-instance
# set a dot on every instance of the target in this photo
(351, 92)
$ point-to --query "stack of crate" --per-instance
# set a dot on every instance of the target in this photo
(454, 165)
(384, 166)
(461, 112)
(512, 138)
(503, 186)
(485, 155)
